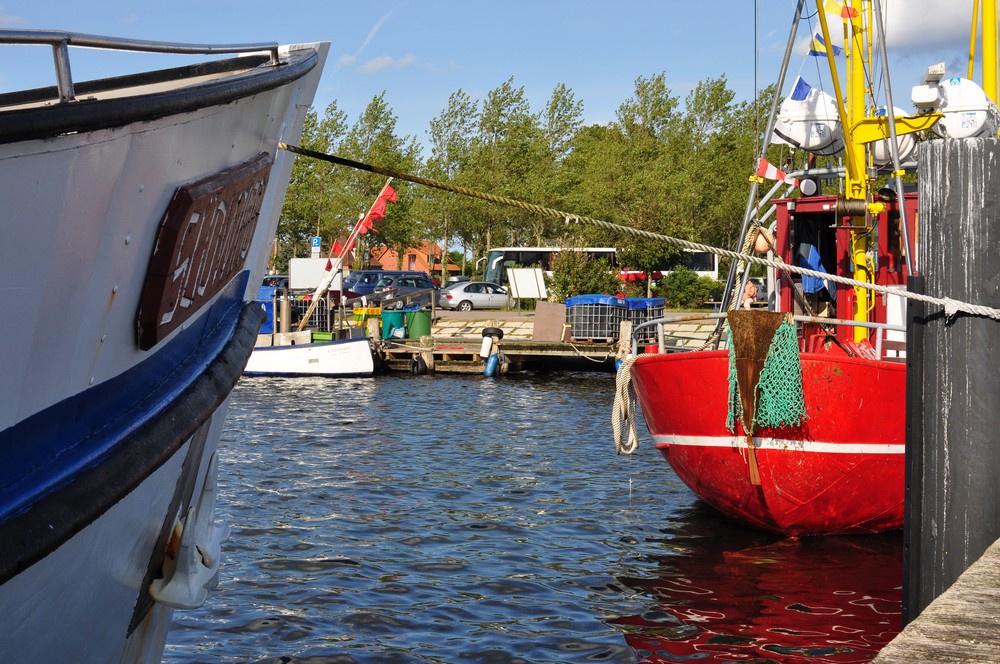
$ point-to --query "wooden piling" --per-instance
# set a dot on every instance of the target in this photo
(954, 383)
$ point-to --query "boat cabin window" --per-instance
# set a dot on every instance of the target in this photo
(814, 246)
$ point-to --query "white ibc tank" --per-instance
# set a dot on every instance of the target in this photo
(808, 119)
(905, 143)
(968, 110)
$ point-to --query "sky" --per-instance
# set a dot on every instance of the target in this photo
(420, 52)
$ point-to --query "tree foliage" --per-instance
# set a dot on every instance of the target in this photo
(683, 288)
(576, 273)
(666, 165)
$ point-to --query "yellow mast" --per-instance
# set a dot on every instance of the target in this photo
(990, 85)
(972, 41)
(857, 184)
(862, 126)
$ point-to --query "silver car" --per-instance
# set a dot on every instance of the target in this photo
(469, 295)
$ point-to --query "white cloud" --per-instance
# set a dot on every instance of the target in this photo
(922, 24)
(9, 19)
(384, 62)
(919, 33)
(347, 60)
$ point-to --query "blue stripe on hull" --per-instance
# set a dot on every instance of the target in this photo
(45, 451)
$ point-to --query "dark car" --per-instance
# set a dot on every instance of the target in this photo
(364, 282)
(398, 291)
(275, 281)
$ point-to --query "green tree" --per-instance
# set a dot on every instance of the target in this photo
(372, 139)
(505, 152)
(560, 121)
(576, 273)
(451, 135)
(310, 206)
(683, 288)
(625, 173)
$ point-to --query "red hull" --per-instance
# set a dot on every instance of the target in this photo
(841, 471)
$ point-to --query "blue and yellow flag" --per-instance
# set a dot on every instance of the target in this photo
(818, 46)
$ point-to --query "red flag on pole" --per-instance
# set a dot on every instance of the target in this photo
(338, 251)
(377, 212)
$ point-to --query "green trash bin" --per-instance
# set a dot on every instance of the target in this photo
(391, 322)
(418, 323)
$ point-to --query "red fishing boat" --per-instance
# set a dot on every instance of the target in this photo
(796, 424)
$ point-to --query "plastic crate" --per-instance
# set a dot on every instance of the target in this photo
(595, 317)
(361, 314)
(642, 310)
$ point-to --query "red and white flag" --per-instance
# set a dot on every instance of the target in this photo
(766, 169)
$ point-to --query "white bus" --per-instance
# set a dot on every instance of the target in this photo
(500, 258)
(704, 263)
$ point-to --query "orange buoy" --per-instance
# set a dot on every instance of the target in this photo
(764, 240)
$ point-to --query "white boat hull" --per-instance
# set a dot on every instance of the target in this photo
(346, 358)
(111, 409)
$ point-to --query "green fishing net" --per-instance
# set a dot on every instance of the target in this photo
(778, 392)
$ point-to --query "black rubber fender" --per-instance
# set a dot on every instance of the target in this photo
(493, 332)
(418, 367)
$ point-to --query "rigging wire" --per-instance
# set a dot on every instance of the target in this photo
(756, 82)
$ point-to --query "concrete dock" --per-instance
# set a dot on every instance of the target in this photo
(960, 625)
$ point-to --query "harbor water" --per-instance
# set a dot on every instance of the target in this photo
(463, 519)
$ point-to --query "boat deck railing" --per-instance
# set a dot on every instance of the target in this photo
(671, 336)
(61, 41)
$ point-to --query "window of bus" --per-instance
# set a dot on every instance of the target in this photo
(501, 258)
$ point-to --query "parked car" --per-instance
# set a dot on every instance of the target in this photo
(417, 290)
(469, 295)
(275, 281)
(270, 284)
(364, 282)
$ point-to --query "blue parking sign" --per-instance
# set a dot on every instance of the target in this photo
(317, 242)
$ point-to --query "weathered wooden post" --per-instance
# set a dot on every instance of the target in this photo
(953, 400)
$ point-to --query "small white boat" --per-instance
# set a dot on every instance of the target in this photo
(138, 213)
(295, 354)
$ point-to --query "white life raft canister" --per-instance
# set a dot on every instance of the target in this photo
(905, 143)
(808, 120)
(968, 110)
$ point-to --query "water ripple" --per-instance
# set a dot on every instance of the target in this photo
(459, 519)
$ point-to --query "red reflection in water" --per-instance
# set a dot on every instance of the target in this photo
(728, 594)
